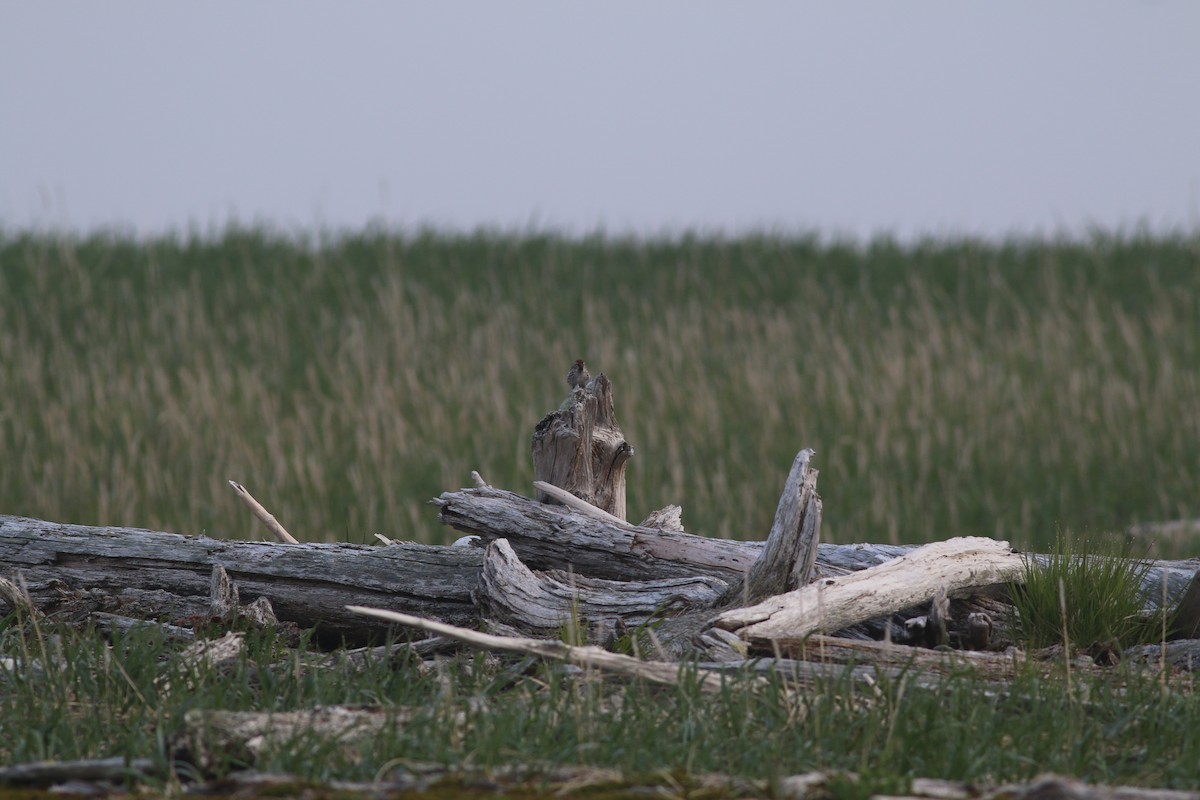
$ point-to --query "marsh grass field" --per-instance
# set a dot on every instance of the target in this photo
(949, 387)
(1026, 390)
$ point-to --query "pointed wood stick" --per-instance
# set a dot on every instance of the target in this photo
(667, 673)
(568, 499)
(264, 516)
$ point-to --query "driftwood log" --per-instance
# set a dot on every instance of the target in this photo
(143, 574)
(75, 570)
(939, 569)
(567, 558)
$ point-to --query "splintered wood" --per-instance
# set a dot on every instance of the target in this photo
(580, 448)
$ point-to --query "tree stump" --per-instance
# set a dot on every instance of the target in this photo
(580, 448)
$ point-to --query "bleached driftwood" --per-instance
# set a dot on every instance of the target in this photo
(580, 448)
(835, 603)
(667, 518)
(567, 499)
(274, 526)
(211, 738)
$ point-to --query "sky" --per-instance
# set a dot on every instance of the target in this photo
(844, 118)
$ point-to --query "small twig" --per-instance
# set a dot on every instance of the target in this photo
(568, 499)
(264, 516)
(383, 539)
(661, 672)
(480, 483)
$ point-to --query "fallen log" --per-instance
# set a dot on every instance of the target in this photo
(154, 575)
(557, 537)
(542, 603)
(141, 574)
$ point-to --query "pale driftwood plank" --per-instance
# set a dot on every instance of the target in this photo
(834, 603)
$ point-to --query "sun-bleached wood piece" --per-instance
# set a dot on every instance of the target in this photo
(568, 499)
(667, 518)
(265, 517)
(831, 604)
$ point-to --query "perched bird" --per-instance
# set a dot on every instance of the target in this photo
(579, 375)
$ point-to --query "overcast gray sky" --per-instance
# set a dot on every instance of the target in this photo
(843, 117)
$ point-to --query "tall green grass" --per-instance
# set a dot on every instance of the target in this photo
(948, 387)
(1086, 591)
(68, 694)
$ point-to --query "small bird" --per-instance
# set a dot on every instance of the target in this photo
(579, 375)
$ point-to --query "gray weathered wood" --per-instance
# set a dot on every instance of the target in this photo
(544, 602)
(308, 584)
(555, 537)
(787, 559)
(1186, 621)
(163, 576)
(117, 769)
(580, 448)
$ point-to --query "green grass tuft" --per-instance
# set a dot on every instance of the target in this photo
(1087, 590)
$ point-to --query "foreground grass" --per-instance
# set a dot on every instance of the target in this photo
(948, 387)
(480, 712)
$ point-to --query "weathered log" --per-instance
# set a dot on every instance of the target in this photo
(580, 448)
(834, 603)
(543, 603)
(307, 584)
(143, 574)
(556, 537)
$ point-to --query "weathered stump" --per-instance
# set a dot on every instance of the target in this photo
(580, 448)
